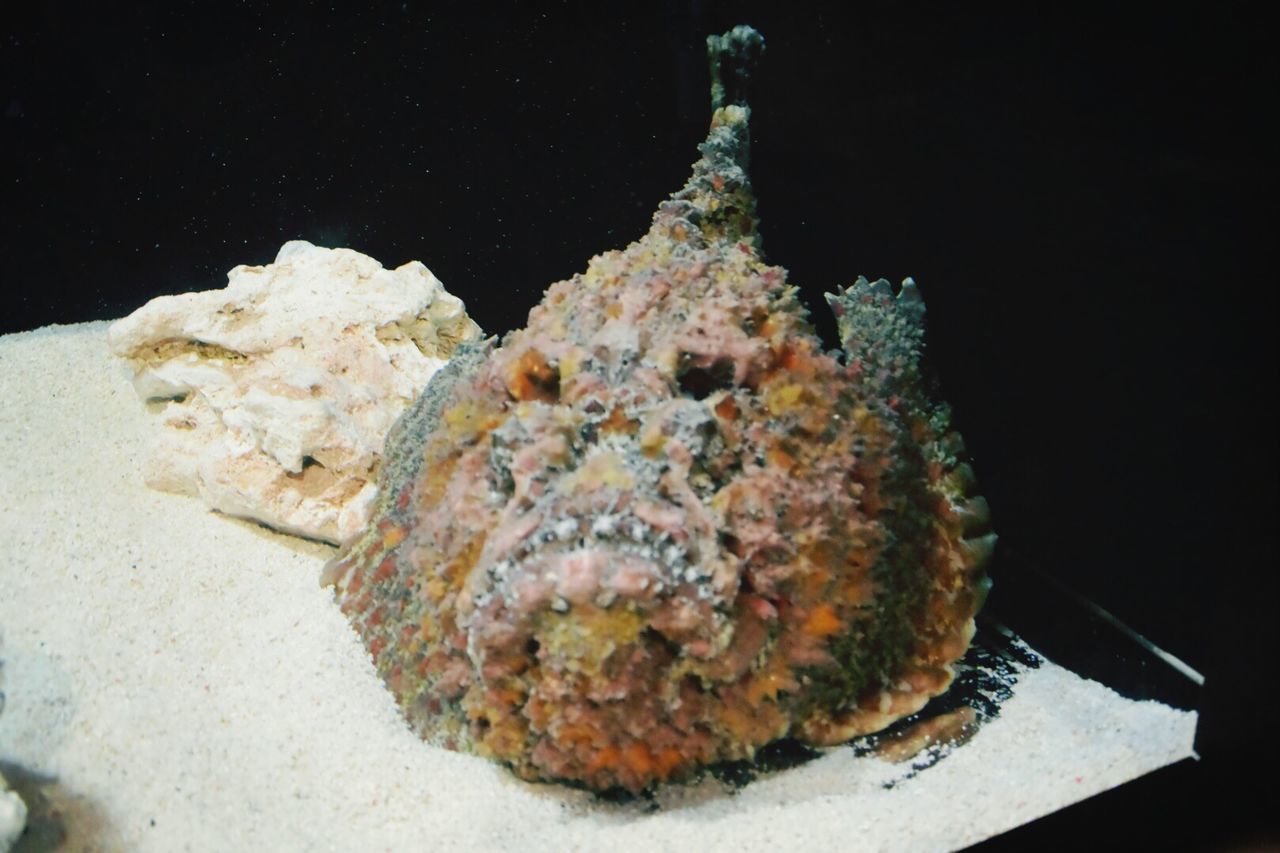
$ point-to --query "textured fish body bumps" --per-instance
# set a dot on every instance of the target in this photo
(659, 526)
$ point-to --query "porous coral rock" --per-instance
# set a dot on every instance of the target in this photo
(660, 526)
(281, 388)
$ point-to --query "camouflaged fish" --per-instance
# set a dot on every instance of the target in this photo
(660, 527)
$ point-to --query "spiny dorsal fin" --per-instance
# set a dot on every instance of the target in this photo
(733, 56)
(717, 204)
(882, 332)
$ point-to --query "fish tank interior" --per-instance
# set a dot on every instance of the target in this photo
(1085, 196)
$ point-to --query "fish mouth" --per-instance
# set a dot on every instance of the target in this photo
(606, 581)
(587, 654)
(603, 701)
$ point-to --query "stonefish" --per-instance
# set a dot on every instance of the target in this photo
(660, 526)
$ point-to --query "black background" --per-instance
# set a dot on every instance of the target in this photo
(1086, 196)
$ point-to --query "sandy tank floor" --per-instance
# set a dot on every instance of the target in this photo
(178, 680)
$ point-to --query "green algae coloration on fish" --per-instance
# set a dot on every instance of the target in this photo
(660, 527)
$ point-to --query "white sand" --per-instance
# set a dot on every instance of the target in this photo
(189, 686)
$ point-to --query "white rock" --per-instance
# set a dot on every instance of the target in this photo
(13, 816)
(13, 811)
(281, 387)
